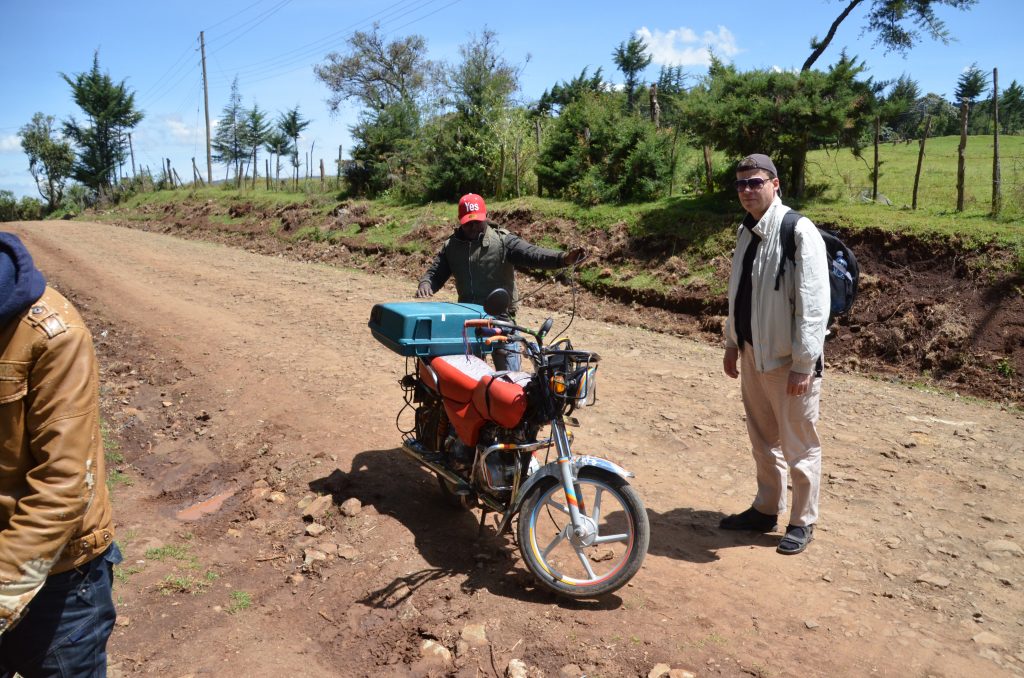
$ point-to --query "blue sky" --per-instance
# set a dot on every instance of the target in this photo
(272, 45)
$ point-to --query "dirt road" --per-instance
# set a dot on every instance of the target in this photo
(253, 382)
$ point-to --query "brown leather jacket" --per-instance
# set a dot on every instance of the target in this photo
(54, 507)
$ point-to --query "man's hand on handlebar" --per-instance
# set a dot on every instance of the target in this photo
(424, 290)
(574, 256)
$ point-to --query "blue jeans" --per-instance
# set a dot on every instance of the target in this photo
(65, 629)
(507, 358)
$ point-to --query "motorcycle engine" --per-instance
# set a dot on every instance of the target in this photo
(460, 455)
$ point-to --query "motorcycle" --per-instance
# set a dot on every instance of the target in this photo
(582, 530)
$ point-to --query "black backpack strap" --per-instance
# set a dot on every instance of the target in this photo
(787, 235)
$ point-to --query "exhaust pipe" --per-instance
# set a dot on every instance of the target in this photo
(426, 458)
(414, 449)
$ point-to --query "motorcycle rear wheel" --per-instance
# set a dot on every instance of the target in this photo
(601, 561)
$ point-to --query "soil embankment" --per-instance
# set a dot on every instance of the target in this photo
(928, 312)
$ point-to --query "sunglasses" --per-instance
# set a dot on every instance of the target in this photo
(754, 184)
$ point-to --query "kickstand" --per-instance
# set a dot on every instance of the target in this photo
(483, 519)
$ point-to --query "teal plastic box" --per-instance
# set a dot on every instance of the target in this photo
(426, 328)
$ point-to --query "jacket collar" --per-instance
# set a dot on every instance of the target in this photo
(484, 239)
(767, 222)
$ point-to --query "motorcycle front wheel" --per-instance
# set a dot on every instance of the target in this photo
(608, 553)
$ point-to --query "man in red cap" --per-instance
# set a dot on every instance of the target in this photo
(483, 257)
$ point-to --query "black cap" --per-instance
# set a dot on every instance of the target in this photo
(757, 161)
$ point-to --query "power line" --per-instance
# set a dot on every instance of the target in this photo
(159, 81)
(317, 45)
(229, 18)
(256, 21)
(304, 52)
(292, 65)
(155, 97)
(424, 16)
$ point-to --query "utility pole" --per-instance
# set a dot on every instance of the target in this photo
(132, 152)
(206, 105)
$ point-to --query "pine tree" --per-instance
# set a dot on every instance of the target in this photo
(228, 147)
(291, 124)
(632, 58)
(101, 142)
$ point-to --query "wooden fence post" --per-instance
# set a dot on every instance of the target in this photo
(132, 152)
(920, 160)
(874, 174)
(536, 127)
(997, 189)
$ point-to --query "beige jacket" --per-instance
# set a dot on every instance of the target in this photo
(55, 512)
(788, 324)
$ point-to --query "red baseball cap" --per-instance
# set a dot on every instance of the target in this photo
(472, 208)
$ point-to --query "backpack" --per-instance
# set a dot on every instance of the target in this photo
(843, 272)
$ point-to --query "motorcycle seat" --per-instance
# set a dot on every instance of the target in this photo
(458, 374)
(501, 398)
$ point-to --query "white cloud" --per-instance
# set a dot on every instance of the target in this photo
(10, 143)
(684, 47)
(180, 131)
(167, 130)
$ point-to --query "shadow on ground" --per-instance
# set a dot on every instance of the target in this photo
(451, 540)
(693, 535)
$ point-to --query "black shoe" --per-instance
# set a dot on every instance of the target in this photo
(751, 520)
(796, 540)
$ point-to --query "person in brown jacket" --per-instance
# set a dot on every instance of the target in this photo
(57, 548)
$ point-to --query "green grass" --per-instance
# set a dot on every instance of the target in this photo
(181, 582)
(186, 583)
(843, 177)
(111, 446)
(113, 456)
(117, 477)
(645, 281)
(240, 600)
(225, 219)
(123, 573)
(169, 551)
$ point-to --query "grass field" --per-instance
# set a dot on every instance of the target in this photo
(841, 179)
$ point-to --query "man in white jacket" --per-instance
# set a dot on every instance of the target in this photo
(774, 337)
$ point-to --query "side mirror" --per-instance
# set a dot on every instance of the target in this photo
(546, 327)
(497, 302)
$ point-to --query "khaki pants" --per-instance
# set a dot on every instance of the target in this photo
(783, 440)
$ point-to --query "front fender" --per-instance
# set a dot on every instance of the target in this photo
(577, 464)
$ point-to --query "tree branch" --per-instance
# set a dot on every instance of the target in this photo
(820, 47)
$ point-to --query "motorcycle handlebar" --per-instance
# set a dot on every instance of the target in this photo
(478, 322)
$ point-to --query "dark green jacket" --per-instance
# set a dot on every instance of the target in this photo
(483, 265)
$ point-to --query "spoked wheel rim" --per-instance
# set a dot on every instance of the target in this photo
(601, 549)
